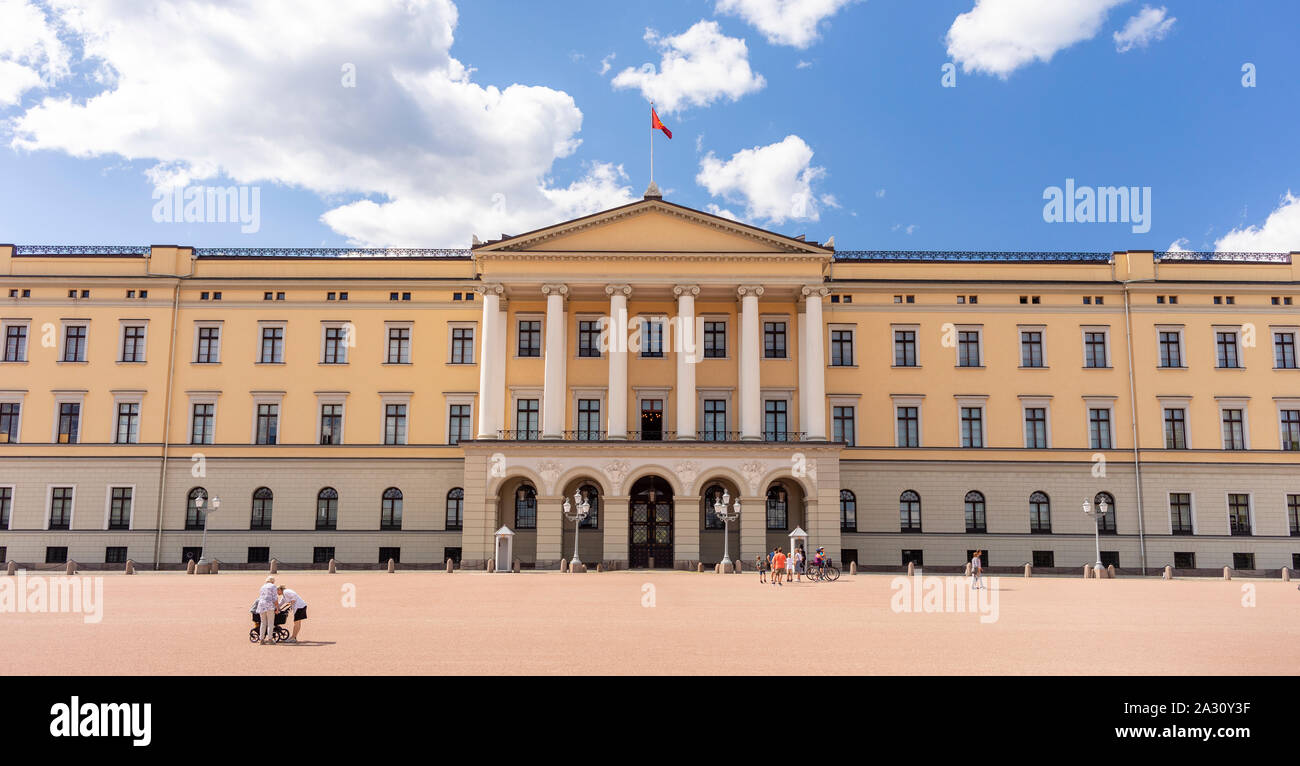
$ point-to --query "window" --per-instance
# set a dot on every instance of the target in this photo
(6, 506)
(202, 422)
(526, 507)
(132, 343)
(774, 340)
(322, 555)
(589, 338)
(390, 509)
(119, 507)
(1226, 345)
(1094, 349)
(1110, 559)
(259, 555)
(387, 554)
(1036, 428)
(399, 345)
(195, 513)
(128, 423)
(1243, 561)
(777, 508)
(530, 337)
(268, 423)
(984, 557)
(10, 413)
(841, 348)
(715, 340)
(1044, 559)
(1289, 421)
(909, 426)
(1292, 513)
(394, 424)
(913, 556)
(592, 496)
(848, 511)
(74, 343)
(843, 426)
(1171, 348)
(1040, 513)
(331, 424)
(56, 554)
(652, 337)
(263, 502)
(715, 420)
(904, 348)
(209, 346)
(775, 426)
(1099, 435)
(1184, 560)
(327, 509)
(975, 518)
(1107, 524)
(459, 423)
(713, 495)
(909, 512)
(526, 419)
(462, 345)
(455, 508)
(15, 343)
(1180, 513)
(336, 345)
(1175, 428)
(1031, 348)
(1239, 514)
(972, 426)
(1284, 350)
(115, 554)
(69, 422)
(272, 346)
(1234, 429)
(968, 348)
(589, 420)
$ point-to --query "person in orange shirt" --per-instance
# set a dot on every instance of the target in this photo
(778, 567)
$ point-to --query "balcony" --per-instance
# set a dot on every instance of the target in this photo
(655, 436)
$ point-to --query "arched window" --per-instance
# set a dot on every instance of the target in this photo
(848, 511)
(592, 496)
(975, 519)
(390, 509)
(1040, 513)
(526, 507)
(194, 515)
(262, 500)
(909, 512)
(456, 508)
(778, 506)
(1108, 521)
(713, 495)
(327, 509)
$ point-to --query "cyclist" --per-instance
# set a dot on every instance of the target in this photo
(819, 558)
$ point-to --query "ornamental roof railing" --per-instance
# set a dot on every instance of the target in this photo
(1188, 256)
(81, 249)
(958, 256)
(330, 252)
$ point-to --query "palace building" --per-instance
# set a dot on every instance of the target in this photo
(362, 405)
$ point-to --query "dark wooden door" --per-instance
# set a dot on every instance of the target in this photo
(651, 533)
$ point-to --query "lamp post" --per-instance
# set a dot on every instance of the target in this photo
(198, 503)
(576, 513)
(727, 515)
(1102, 508)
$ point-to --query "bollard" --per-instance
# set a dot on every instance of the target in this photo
(275, 566)
(11, 567)
(600, 566)
(392, 566)
(1286, 574)
(70, 568)
(189, 567)
(740, 567)
(583, 569)
(491, 565)
(1169, 572)
(564, 565)
(911, 569)
(699, 567)
(334, 567)
(651, 564)
(853, 567)
(967, 574)
(1227, 573)
(515, 567)
(216, 566)
(1086, 568)
(451, 567)
(1110, 571)
(1029, 570)
(130, 567)
(717, 569)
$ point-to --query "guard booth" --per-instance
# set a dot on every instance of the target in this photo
(799, 539)
(505, 549)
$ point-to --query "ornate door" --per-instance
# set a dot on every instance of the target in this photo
(650, 525)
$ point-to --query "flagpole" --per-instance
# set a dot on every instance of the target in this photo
(652, 145)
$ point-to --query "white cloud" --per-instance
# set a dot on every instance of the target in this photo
(1147, 26)
(1279, 234)
(245, 90)
(31, 53)
(1178, 246)
(880, 194)
(784, 22)
(606, 63)
(803, 64)
(698, 67)
(773, 182)
(1000, 36)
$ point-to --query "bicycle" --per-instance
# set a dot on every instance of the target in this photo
(827, 572)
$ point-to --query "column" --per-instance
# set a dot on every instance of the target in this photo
(617, 394)
(491, 364)
(802, 323)
(814, 369)
(553, 387)
(751, 410)
(688, 353)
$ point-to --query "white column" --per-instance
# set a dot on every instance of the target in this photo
(491, 371)
(814, 372)
(553, 386)
(803, 366)
(751, 408)
(616, 397)
(688, 353)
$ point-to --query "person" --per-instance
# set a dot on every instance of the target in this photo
(798, 564)
(762, 571)
(266, 609)
(778, 566)
(976, 572)
(289, 599)
(819, 558)
(789, 567)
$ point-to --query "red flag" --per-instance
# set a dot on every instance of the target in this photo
(655, 123)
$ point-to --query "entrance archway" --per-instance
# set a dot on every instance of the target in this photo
(650, 523)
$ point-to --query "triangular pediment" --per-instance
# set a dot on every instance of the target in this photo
(652, 226)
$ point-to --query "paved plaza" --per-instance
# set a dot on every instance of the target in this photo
(663, 622)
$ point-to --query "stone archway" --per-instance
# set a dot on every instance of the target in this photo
(516, 497)
(591, 537)
(650, 523)
(711, 530)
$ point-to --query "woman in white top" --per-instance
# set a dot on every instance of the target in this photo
(266, 600)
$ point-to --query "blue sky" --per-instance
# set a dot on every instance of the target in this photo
(831, 119)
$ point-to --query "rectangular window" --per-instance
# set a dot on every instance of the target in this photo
(1031, 348)
(15, 343)
(1226, 345)
(589, 420)
(774, 340)
(209, 349)
(589, 338)
(459, 423)
(913, 556)
(841, 348)
(202, 423)
(1239, 514)
(1035, 428)
(394, 424)
(133, 343)
(1175, 428)
(119, 508)
(259, 555)
(775, 427)
(331, 424)
(526, 419)
(74, 343)
(387, 554)
(322, 555)
(1292, 514)
(336, 346)
(1243, 561)
(462, 345)
(652, 338)
(399, 345)
(69, 422)
(56, 554)
(968, 348)
(1290, 425)
(843, 425)
(715, 340)
(1184, 560)
(1180, 513)
(530, 337)
(715, 420)
(1044, 559)
(1094, 349)
(1099, 435)
(1284, 350)
(972, 426)
(272, 345)
(1234, 429)
(115, 554)
(909, 426)
(268, 423)
(60, 507)
(9, 416)
(904, 348)
(128, 423)
(1171, 349)
(7, 506)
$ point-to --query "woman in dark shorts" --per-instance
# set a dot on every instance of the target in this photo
(289, 599)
